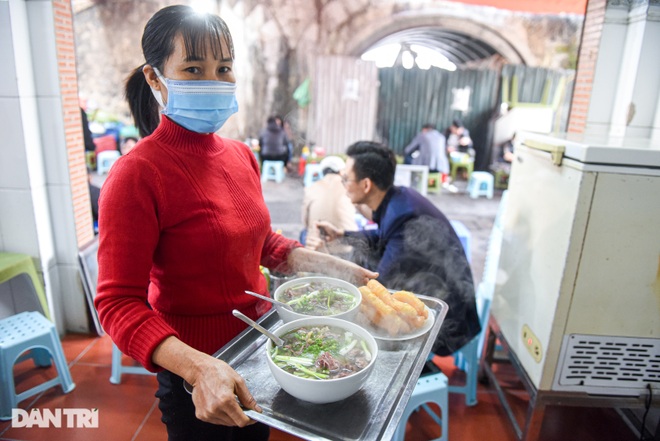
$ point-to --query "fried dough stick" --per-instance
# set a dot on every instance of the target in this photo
(412, 300)
(405, 311)
(381, 314)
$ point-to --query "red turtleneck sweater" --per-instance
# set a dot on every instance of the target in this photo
(182, 217)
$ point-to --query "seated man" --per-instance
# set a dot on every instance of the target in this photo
(326, 200)
(414, 248)
(429, 145)
(458, 139)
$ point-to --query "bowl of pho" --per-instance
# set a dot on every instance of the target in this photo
(323, 359)
(318, 296)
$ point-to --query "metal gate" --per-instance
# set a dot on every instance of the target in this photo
(344, 102)
(410, 98)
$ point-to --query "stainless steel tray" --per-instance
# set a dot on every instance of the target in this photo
(373, 413)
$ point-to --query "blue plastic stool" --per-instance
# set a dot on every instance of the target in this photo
(429, 389)
(29, 331)
(468, 357)
(273, 170)
(118, 369)
(105, 160)
(481, 184)
(313, 173)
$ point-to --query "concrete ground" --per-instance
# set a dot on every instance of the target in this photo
(284, 201)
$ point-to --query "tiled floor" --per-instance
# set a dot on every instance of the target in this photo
(129, 411)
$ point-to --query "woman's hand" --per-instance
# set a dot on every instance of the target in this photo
(215, 392)
(216, 386)
(302, 259)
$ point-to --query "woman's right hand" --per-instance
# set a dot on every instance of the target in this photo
(215, 392)
(216, 386)
(328, 231)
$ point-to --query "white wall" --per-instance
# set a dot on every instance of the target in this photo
(36, 209)
(626, 81)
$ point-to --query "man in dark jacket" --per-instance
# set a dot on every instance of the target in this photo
(414, 248)
(273, 142)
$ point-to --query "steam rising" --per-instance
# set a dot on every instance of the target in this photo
(433, 264)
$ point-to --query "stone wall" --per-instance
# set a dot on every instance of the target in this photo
(277, 43)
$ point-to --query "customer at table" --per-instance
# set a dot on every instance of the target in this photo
(184, 227)
(458, 139)
(414, 248)
(326, 199)
(273, 142)
(428, 148)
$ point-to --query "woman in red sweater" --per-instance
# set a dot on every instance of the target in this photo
(183, 229)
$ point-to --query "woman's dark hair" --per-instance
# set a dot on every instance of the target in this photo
(374, 161)
(158, 44)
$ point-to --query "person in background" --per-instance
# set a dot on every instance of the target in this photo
(429, 144)
(127, 145)
(326, 199)
(414, 247)
(183, 229)
(274, 142)
(94, 193)
(458, 139)
(286, 127)
(87, 133)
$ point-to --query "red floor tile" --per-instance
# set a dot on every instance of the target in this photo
(129, 411)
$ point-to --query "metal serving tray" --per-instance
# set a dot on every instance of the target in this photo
(372, 413)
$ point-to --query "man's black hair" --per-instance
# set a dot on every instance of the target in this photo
(374, 161)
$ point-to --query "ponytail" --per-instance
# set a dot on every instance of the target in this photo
(142, 103)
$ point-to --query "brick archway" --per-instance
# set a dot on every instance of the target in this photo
(513, 51)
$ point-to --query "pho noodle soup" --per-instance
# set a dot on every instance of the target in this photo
(318, 298)
(321, 352)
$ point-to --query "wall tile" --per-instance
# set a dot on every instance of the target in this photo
(19, 229)
(33, 147)
(64, 226)
(21, 43)
(13, 167)
(53, 140)
(42, 42)
(8, 86)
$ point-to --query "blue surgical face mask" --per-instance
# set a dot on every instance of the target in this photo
(199, 106)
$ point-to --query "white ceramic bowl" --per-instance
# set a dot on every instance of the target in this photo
(288, 315)
(322, 391)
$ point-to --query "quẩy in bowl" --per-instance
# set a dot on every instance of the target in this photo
(323, 359)
(318, 296)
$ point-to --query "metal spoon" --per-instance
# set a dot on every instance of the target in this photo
(276, 340)
(268, 299)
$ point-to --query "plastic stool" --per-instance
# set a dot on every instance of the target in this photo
(313, 173)
(272, 170)
(461, 160)
(29, 331)
(429, 389)
(118, 369)
(105, 160)
(481, 184)
(33, 298)
(435, 183)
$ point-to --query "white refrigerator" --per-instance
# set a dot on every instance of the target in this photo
(577, 293)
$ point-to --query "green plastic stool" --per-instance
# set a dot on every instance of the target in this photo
(13, 265)
(435, 182)
(461, 160)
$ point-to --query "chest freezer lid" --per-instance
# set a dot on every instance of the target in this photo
(592, 149)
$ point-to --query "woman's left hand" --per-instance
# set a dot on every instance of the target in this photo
(301, 259)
